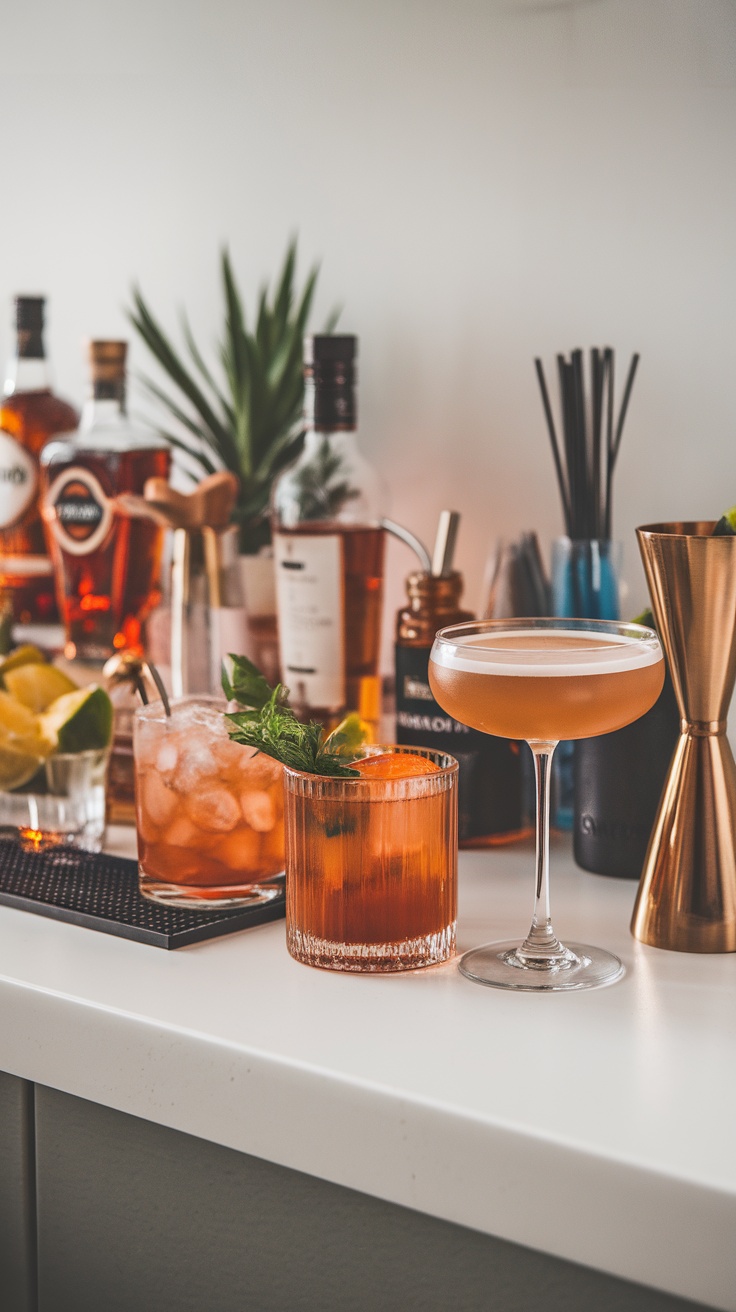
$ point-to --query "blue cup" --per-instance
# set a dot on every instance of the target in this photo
(585, 585)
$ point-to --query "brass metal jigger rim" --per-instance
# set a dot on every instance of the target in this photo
(686, 900)
(685, 528)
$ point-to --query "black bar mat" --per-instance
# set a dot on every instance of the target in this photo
(101, 892)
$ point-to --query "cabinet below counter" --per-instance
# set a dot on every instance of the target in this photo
(318, 1140)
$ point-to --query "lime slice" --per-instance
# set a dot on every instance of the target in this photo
(16, 720)
(20, 730)
(80, 721)
(726, 526)
(37, 686)
(349, 736)
(16, 767)
(25, 655)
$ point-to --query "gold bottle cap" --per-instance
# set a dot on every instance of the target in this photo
(107, 360)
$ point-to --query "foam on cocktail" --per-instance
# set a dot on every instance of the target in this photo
(521, 653)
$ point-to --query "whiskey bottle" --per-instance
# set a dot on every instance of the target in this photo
(490, 779)
(29, 414)
(106, 565)
(329, 549)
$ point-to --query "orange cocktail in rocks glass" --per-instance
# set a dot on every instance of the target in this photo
(544, 680)
(371, 862)
(209, 811)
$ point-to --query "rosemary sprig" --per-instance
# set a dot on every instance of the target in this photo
(271, 727)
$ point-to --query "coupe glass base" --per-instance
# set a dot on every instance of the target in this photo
(498, 966)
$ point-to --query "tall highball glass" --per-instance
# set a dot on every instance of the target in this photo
(544, 680)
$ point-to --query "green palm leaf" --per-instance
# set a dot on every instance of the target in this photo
(250, 421)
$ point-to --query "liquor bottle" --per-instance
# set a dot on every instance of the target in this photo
(329, 549)
(107, 566)
(30, 413)
(490, 781)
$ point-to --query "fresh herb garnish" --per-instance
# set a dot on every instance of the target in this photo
(271, 727)
(243, 682)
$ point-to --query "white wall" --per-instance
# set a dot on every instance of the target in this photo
(482, 182)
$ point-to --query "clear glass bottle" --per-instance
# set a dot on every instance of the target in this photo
(107, 566)
(329, 548)
(491, 804)
(29, 414)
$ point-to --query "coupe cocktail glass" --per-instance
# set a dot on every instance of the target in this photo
(209, 812)
(545, 680)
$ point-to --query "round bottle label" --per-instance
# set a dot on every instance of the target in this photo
(18, 480)
(78, 511)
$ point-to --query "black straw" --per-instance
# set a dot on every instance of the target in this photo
(590, 438)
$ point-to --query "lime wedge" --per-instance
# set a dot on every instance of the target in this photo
(726, 526)
(25, 655)
(37, 686)
(16, 720)
(79, 721)
(348, 737)
(16, 767)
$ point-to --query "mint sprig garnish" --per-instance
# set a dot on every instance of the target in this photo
(270, 725)
(243, 682)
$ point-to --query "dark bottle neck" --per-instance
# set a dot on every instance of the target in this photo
(110, 390)
(329, 398)
(439, 593)
(30, 344)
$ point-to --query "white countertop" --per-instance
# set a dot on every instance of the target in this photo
(598, 1126)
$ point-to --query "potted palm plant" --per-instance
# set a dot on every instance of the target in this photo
(248, 420)
(245, 416)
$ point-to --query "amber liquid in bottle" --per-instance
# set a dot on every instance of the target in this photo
(30, 414)
(490, 781)
(107, 565)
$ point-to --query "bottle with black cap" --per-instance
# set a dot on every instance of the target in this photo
(327, 509)
(29, 414)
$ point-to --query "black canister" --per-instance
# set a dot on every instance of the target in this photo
(619, 779)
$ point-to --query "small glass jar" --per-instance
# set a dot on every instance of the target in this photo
(71, 809)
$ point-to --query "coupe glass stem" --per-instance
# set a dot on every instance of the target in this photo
(541, 947)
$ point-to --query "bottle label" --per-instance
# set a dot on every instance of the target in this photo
(490, 796)
(79, 512)
(18, 480)
(309, 591)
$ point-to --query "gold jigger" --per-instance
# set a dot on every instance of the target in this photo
(687, 895)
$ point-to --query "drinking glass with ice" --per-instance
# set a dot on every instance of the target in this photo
(209, 811)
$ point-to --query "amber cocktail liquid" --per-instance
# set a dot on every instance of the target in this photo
(371, 863)
(546, 686)
(209, 812)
